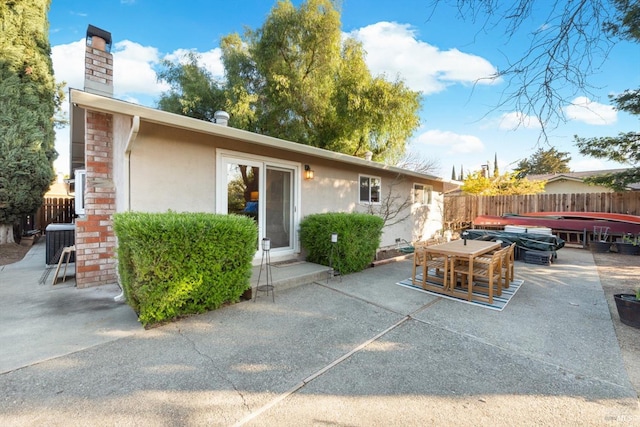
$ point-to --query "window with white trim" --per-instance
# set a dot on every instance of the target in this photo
(370, 189)
(422, 194)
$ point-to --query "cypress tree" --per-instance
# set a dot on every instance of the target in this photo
(453, 173)
(28, 100)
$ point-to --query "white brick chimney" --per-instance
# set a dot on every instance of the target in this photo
(98, 62)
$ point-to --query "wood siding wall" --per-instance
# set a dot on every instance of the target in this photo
(461, 210)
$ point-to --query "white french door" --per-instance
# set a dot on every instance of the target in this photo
(264, 190)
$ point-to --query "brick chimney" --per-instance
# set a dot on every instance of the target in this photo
(95, 240)
(98, 69)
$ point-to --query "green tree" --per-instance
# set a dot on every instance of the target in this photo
(507, 184)
(624, 148)
(295, 78)
(194, 92)
(544, 161)
(28, 100)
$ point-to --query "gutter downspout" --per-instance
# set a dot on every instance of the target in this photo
(133, 134)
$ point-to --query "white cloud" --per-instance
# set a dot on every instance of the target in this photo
(394, 50)
(584, 110)
(457, 143)
(516, 120)
(133, 69)
(211, 60)
(68, 63)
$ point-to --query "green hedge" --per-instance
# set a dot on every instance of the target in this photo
(174, 264)
(358, 239)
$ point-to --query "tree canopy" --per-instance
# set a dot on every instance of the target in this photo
(507, 184)
(28, 99)
(624, 148)
(544, 161)
(295, 78)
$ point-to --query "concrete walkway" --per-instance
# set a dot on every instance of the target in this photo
(361, 351)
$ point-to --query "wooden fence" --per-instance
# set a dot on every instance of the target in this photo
(462, 210)
(55, 210)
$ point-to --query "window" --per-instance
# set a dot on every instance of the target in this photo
(422, 194)
(369, 189)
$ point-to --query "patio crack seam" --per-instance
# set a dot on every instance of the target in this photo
(320, 372)
(215, 370)
(427, 305)
(524, 355)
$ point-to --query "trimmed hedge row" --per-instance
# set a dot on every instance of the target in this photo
(175, 264)
(359, 237)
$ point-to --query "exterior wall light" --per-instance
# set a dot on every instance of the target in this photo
(308, 173)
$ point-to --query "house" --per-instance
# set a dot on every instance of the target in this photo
(573, 182)
(134, 158)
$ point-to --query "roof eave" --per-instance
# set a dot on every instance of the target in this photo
(114, 106)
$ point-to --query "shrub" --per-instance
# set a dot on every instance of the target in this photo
(358, 239)
(174, 264)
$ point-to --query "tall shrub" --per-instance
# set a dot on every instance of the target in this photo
(174, 264)
(358, 238)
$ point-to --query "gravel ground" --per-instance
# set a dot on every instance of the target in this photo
(620, 274)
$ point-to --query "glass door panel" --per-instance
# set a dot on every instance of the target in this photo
(278, 202)
(243, 190)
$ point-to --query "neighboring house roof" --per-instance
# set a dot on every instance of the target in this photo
(58, 189)
(94, 102)
(578, 176)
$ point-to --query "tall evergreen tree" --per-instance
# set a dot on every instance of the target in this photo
(496, 171)
(453, 173)
(544, 161)
(28, 98)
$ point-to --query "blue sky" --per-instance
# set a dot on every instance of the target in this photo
(435, 53)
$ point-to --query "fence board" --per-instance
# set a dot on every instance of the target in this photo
(59, 210)
(464, 209)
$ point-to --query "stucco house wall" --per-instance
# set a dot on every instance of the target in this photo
(176, 169)
(566, 186)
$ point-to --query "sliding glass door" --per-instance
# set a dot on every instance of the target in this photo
(263, 190)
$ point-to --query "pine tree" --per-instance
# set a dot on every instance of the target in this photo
(28, 100)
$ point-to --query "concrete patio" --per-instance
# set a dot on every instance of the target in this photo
(360, 351)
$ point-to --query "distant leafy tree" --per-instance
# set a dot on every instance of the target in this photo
(295, 78)
(28, 100)
(194, 92)
(624, 148)
(507, 184)
(544, 161)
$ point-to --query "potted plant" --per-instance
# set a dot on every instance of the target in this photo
(628, 306)
(628, 245)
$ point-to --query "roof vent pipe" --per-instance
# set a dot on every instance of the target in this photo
(221, 118)
(368, 155)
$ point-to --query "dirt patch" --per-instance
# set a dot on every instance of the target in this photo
(12, 252)
(620, 274)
